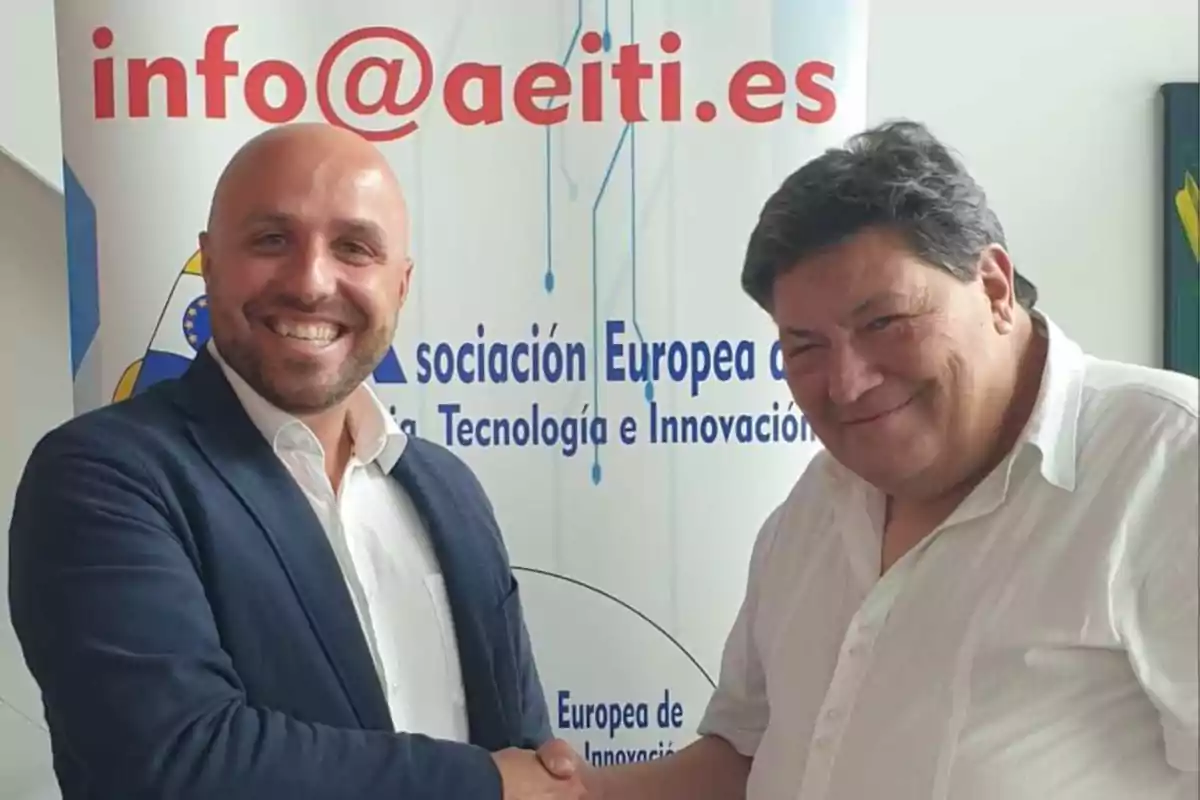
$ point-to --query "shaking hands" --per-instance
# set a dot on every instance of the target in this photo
(554, 772)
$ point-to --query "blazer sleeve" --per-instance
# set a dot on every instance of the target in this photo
(535, 717)
(535, 728)
(115, 627)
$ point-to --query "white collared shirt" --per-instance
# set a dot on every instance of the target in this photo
(385, 556)
(1041, 644)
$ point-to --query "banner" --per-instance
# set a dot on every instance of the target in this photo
(583, 177)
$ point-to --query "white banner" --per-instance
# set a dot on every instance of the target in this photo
(583, 178)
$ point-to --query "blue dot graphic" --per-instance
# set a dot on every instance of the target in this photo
(549, 281)
(649, 392)
(596, 473)
(606, 41)
(195, 323)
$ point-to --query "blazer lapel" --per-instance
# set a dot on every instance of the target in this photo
(447, 521)
(244, 460)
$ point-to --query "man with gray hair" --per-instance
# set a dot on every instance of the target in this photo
(985, 587)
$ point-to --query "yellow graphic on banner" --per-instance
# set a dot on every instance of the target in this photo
(182, 329)
(1187, 204)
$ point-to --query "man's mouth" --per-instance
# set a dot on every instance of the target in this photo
(311, 332)
(863, 420)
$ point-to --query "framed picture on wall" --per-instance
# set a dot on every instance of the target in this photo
(1181, 234)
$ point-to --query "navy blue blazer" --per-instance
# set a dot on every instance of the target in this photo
(179, 605)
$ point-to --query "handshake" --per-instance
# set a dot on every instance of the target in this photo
(553, 772)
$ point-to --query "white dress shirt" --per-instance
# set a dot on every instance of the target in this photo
(1040, 644)
(385, 556)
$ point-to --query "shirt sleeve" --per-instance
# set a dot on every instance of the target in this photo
(738, 711)
(1161, 609)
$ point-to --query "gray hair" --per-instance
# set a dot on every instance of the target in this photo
(897, 176)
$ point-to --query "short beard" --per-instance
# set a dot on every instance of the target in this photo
(311, 398)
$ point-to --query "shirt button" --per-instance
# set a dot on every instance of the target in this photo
(833, 714)
(821, 742)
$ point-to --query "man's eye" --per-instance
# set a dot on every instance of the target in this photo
(269, 240)
(879, 323)
(355, 249)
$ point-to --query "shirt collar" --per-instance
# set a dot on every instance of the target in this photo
(1054, 424)
(377, 436)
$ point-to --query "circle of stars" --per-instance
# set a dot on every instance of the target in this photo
(195, 323)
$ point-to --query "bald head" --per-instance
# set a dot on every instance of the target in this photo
(305, 147)
(306, 263)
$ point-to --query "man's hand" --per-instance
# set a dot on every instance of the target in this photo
(707, 769)
(561, 761)
(526, 777)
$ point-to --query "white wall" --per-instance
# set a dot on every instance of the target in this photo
(35, 395)
(1051, 103)
(29, 122)
(33, 325)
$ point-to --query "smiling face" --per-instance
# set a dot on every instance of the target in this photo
(896, 364)
(306, 266)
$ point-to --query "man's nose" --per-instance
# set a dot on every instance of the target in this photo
(851, 374)
(312, 273)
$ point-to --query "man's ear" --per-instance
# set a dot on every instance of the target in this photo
(405, 280)
(203, 244)
(996, 273)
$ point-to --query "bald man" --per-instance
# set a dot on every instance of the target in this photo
(247, 582)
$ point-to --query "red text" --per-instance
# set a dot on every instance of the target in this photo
(471, 93)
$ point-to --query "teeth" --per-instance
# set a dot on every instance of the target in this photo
(308, 331)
